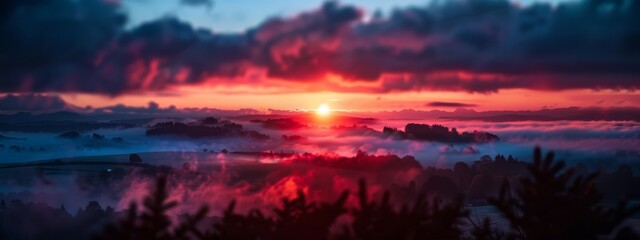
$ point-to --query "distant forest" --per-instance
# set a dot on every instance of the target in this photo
(439, 133)
(205, 128)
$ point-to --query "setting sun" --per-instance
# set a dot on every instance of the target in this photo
(323, 110)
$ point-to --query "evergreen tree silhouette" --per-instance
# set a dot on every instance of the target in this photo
(153, 223)
(373, 220)
(553, 203)
(295, 219)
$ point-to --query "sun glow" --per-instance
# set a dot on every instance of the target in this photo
(323, 110)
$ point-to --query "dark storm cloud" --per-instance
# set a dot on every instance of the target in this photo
(168, 51)
(303, 46)
(33, 102)
(449, 104)
(51, 45)
(472, 46)
(82, 46)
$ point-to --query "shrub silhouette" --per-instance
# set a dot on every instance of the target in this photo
(153, 222)
(295, 219)
(372, 220)
(553, 203)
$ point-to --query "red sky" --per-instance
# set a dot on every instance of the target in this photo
(262, 99)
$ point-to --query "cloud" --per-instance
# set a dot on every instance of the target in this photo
(85, 48)
(51, 45)
(33, 102)
(543, 115)
(171, 52)
(471, 46)
(449, 104)
(206, 3)
(302, 47)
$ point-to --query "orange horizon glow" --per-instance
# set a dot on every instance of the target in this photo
(233, 99)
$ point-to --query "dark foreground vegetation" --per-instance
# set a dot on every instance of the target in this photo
(550, 202)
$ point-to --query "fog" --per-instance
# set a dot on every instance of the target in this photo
(572, 140)
(256, 181)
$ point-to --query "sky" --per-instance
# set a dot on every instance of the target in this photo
(355, 55)
(240, 15)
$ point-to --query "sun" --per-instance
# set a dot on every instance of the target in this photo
(323, 110)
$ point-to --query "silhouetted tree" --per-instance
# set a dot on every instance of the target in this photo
(373, 220)
(296, 219)
(153, 223)
(553, 203)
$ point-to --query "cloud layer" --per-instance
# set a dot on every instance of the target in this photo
(450, 104)
(472, 46)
